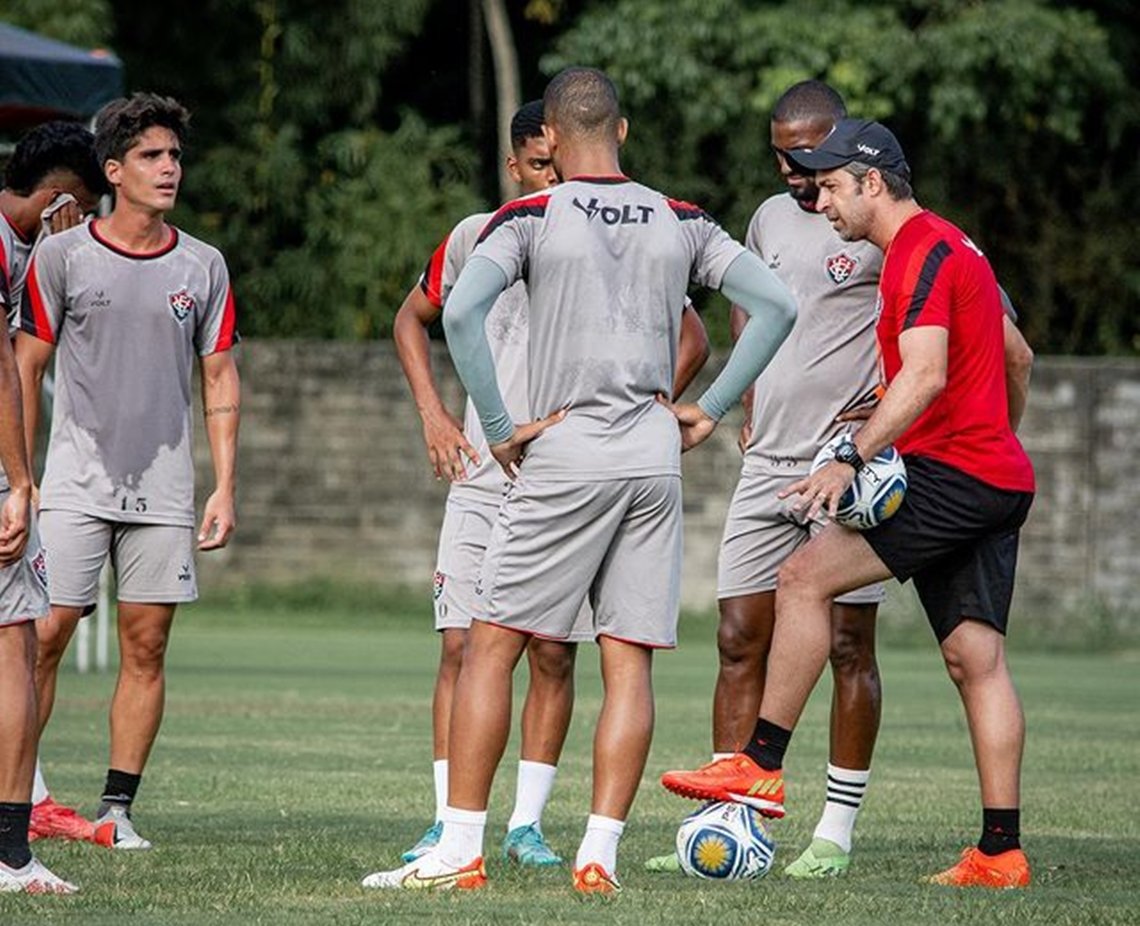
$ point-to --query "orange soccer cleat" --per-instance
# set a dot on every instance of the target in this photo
(594, 879)
(737, 778)
(976, 869)
(55, 821)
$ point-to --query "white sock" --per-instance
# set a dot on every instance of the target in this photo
(462, 839)
(531, 793)
(39, 786)
(845, 790)
(439, 772)
(600, 843)
(717, 756)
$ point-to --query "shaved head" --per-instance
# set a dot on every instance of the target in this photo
(582, 102)
(809, 101)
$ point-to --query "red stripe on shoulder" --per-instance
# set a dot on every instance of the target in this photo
(432, 283)
(517, 208)
(33, 314)
(227, 335)
(685, 211)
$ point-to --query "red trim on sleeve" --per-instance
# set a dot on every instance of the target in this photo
(533, 205)
(433, 275)
(685, 211)
(227, 333)
(33, 314)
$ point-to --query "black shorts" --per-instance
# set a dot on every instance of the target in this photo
(956, 536)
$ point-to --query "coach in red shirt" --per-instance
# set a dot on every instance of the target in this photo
(970, 486)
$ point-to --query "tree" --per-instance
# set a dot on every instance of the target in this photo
(85, 23)
(325, 217)
(1015, 116)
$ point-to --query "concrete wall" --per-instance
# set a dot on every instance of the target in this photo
(334, 481)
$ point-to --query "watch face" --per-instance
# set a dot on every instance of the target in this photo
(846, 453)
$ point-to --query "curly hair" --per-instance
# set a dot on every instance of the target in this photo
(50, 147)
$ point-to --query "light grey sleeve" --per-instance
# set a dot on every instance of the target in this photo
(771, 314)
(714, 250)
(44, 301)
(217, 322)
(464, 322)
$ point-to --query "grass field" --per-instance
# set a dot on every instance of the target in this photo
(295, 759)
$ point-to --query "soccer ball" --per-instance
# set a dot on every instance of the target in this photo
(878, 488)
(725, 841)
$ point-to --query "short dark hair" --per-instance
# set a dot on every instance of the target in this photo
(50, 147)
(897, 185)
(809, 101)
(582, 101)
(527, 123)
(119, 124)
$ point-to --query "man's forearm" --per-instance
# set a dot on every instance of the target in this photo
(413, 347)
(908, 396)
(13, 439)
(692, 351)
(470, 302)
(771, 315)
(221, 400)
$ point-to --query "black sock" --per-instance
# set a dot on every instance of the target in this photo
(1001, 831)
(767, 745)
(120, 789)
(14, 822)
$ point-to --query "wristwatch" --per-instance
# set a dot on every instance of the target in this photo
(846, 453)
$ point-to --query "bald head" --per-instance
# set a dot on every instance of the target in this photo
(583, 103)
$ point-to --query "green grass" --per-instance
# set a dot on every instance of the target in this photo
(295, 757)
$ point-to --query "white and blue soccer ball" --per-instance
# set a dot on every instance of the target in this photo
(877, 491)
(725, 841)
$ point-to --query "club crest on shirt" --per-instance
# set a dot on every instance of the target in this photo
(840, 267)
(181, 304)
(39, 567)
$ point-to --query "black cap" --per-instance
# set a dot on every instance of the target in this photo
(855, 140)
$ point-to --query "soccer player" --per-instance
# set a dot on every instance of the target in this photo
(826, 367)
(51, 182)
(595, 508)
(825, 375)
(970, 486)
(129, 300)
(50, 164)
(458, 451)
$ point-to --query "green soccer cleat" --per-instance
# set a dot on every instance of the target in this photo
(663, 864)
(822, 859)
(428, 841)
(527, 846)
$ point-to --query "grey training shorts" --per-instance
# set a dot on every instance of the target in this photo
(153, 563)
(463, 542)
(616, 542)
(23, 584)
(761, 532)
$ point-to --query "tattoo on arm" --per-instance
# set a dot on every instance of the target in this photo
(221, 410)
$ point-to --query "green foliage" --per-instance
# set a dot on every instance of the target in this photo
(85, 23)
(325, 218)
(1014, 115)
(339, 237)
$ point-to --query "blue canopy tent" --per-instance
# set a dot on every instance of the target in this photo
(42, 79)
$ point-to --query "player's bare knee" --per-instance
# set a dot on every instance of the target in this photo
(737, 642)
(852, 651)
(552, 662)
(798, 577)
(144, 654)
(451, 648)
